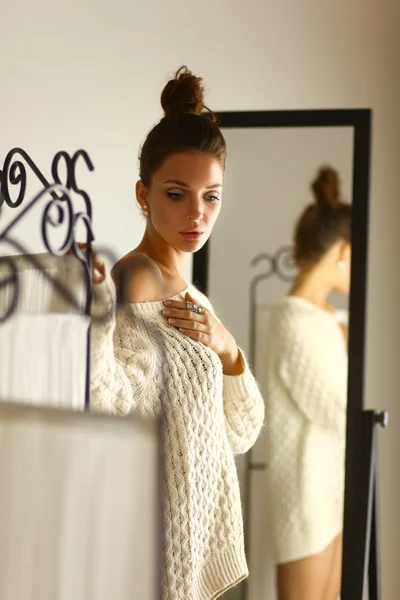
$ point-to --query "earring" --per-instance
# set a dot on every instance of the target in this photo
(145, 209)
(340, 263)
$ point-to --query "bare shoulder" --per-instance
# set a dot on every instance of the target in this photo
(138, 278)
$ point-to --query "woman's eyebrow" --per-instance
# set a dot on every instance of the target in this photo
(183, 184)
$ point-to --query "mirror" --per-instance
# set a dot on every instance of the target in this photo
(247, 268)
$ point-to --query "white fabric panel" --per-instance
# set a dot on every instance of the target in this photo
(43, 346)
(43, 359)
(78, 506)
(36, 293)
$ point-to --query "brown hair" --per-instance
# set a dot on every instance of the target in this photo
(324, 222)
(187, 125)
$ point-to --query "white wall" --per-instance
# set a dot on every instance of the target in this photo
(89, 74)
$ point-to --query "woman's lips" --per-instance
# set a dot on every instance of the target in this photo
(191, 235)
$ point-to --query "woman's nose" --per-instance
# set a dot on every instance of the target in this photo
(195, 211)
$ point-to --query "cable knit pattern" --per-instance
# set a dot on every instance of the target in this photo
(141, 364)
(306, 416)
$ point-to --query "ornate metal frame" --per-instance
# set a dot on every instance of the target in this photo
(58, 212)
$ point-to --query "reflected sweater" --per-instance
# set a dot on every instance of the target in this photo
(306, 416)
(141, 364)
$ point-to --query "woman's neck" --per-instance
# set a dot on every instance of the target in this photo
(312, 286)
(171, 261)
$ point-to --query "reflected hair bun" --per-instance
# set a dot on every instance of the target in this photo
(326, 188)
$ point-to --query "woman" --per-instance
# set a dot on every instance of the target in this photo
(166, 343)
(306, 403)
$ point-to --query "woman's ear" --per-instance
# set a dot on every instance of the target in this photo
(342, 254)
(141, 197)
(345, 252)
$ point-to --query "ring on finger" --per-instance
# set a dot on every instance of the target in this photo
(193, 307)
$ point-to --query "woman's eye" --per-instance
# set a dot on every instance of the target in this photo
(175, 195)
(212, 198)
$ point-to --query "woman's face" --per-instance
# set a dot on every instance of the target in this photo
(184, 199)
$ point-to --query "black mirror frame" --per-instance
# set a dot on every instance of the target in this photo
(356, 525)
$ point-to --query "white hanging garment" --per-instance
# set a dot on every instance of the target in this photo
(36, 293)
(43, 345)
(78, 506)
(43, 360)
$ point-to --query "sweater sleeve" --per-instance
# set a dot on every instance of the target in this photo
(243, 403)
(306, 367)
(122, 358)
(243, 407)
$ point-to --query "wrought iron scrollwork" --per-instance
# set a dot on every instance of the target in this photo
(14, 173)
(13, 281)
(58, 212)
(63, 203)
(71, 184)
(281, 264)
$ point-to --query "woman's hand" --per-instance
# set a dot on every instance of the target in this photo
(98, 267)
(206, 329)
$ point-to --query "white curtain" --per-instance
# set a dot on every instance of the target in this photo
(78, 506)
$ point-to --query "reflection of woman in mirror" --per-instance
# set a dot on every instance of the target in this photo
(166, 342)
(306, 403)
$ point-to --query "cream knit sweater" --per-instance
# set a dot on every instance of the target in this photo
(139, 364)
(306, 416)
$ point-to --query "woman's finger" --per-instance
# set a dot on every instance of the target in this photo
(192, 325)
(200, 336)
(183, 313)
(98, 271)
(176, 304)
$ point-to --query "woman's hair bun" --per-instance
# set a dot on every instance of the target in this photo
(326, 188)
(183, 95)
